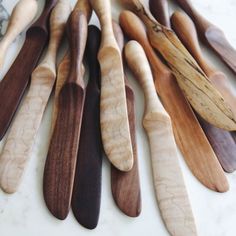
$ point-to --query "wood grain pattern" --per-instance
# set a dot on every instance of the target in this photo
(113, 117)
(125, 185)
(62, 154)
(168, 180)
(20, 140)
(86, 197)
(14, 83)
(22, 14)
(221, 141)
(202, 95)
(160, 10)
(189, 135)
(212, 35)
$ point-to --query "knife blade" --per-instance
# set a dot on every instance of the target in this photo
(168, 180)
(14, 83)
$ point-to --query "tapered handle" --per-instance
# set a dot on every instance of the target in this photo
(160, 10)
(22, 14)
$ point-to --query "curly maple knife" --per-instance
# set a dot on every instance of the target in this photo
(86, 197)
(22, 14)
(62, 154)
(189, 135)
(168, 180)
(113, 117)
(23, 131)
(211, 34)
(125, 185)
(221, 141)
(13, 85)
(202, 95)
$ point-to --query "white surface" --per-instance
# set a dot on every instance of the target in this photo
(25, 213)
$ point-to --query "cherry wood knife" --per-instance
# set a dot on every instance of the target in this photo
(62, 154)
(86, 196)
(13, 85)
(221, 141)
(125, 185)
(189, 135)
(168, 180)
(201, 94)
(22, 14)
(211, 35)
(23, 131)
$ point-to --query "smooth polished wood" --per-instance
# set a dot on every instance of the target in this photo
(201, 94)
(168, 180)
(14, 83)
(125, 185)
(86, 198)
(23, 131)
(22, 14)
(212, 35)
(160, 10)
(221, 141)
(189, 135)
(62, 154)
(113, 117)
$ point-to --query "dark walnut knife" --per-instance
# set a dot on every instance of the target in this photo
(62, 155)
(13, 85)
(86, 196)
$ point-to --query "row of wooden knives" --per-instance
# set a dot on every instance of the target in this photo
(196, 100)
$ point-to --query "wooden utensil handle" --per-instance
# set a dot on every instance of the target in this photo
(160, 10)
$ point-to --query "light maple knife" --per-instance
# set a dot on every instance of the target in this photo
(62, 154)
(221, 141)
(14, 83)
(23, 132)
(211, 34)
(113, 117)
(125, 185)
(189, 135)
(168, 180)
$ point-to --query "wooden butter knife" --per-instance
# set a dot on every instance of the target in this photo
(22, 14)
(168, 180)
(86, 196)
(125, 185)
(22, 134)
(62, 154)
(221, 141)
(202, 95)
(113, 117)
(189, 135)
(211, 34)
(13, 85)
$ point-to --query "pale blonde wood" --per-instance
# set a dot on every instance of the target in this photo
(22, 14)
(20, 140)
(114, 118)
(186, 31)
(202, 95)
(168, 180)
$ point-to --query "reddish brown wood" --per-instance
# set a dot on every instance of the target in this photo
(14, 83)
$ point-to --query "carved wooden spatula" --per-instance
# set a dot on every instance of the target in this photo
(168, 180)
(86, 196)
(189, 135)
(113, 117)
(221, 141)
(202, 95)
(125, 185)
(62, 154)
(13, 85)
(22, 14)
(20, 140)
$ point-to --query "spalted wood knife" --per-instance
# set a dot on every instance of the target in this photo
(14, 83)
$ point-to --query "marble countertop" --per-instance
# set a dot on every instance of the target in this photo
(25, 213)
